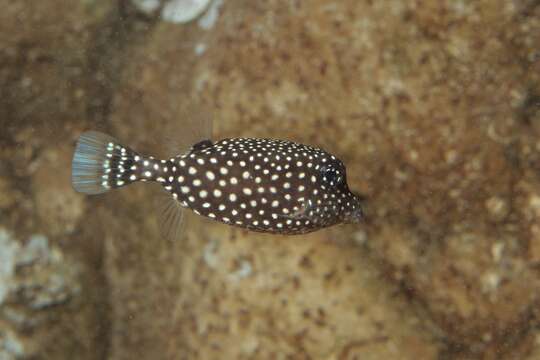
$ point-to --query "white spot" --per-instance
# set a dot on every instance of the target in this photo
(184, 189)
(200, 161)
(286, 185)
(146, 163)
(213, 160)
(217, 192)
(222, 182)
(234, 180)
(301, 188)
(210, 175)
(248, 216)
(275, 203)
(223, 171)
(313, 179)
(132, 178)
(147, 173)
(298, 163)
(206, 205)
(275, 177)
(197, 182)
(301, 175)
(245, 174)
(180, 179)
(232, 197)
(203, 193)
(192, 170)
(247, 191)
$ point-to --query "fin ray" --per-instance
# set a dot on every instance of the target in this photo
(195, 127)
(172, 217)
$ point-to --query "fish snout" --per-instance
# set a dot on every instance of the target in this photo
(356, 216)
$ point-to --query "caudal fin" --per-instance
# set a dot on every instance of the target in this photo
(100, 163)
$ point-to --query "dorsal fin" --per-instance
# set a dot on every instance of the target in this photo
(193, 129)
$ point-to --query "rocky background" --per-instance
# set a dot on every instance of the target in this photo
(433, 105)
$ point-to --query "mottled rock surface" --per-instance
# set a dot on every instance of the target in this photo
(433, 106)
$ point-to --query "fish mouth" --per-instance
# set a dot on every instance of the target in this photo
(354, 217)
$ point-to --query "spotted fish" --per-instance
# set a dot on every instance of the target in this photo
(266, 185)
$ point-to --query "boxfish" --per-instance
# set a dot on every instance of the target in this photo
(265, 185)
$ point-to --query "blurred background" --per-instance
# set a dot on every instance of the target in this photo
(434, 106)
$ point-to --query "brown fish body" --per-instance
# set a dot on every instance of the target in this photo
(265, 185)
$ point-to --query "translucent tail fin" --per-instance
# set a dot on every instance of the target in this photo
(100, 163)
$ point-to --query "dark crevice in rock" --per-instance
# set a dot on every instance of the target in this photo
(114, 39)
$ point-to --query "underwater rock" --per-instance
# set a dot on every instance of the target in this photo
(178, 11)
(33, 277)
(182, 11)
(432, 106)
(11, 347)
